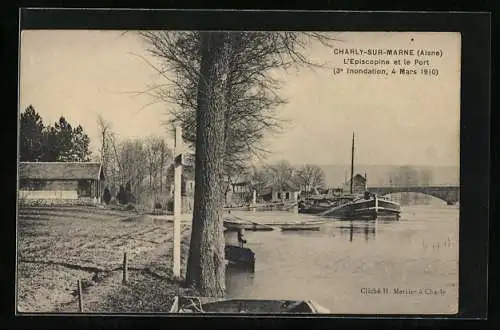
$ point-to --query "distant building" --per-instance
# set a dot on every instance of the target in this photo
(239, 192)
(61, 180)
(287, 191)
(359, 184)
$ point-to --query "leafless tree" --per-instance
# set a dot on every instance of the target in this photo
(131, 158)
(224, 86)
(206, 261)
(108, 155)
(282, 172)
(157, 155)
(164, 159)
(251, 87)
(104, 128)
(152, 151)
(261, 177)
(311, 176)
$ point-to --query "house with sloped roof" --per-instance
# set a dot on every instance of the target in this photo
(60, 180)
(286, 191)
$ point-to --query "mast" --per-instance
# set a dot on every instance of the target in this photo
(352, 162)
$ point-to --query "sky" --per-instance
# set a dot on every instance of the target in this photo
(398, 120)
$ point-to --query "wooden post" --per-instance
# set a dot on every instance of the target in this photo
(176, 268)
(80, 298)
(125, 268)
(254, 201)
(296, 201)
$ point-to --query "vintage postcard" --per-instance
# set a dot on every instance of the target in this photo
(238, 172)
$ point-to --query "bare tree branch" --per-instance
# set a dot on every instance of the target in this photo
(252, 94)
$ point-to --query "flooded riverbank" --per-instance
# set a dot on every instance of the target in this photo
(408, 266)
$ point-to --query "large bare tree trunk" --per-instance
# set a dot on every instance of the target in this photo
(206, 267)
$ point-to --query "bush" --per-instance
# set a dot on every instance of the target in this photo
(170, 205)
(106, 196)
(128, 194)
(130, 207)
(121, 197)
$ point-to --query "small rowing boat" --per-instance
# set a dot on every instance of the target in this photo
(186, 304)
(313, 225)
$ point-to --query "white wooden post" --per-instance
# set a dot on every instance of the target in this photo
(254, 201)
(176, 269)
(296, 200)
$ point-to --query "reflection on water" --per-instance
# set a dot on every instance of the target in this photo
(366, 229)
(332, 265)
(237, 280)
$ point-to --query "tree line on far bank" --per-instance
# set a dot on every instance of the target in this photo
(306, 178)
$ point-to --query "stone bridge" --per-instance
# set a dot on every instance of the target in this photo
(449, 194)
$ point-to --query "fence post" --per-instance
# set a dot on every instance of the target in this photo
(80, 298)
(125, 268)
(176, 268)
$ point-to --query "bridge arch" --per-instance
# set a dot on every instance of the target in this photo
(448, 194)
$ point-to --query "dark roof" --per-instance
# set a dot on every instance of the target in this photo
(61, 170)
(290, 185)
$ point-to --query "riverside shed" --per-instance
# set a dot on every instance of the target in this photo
(60, 180)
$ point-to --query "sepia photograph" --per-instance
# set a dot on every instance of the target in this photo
(254, 172)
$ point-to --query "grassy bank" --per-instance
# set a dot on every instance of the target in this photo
(58, 246)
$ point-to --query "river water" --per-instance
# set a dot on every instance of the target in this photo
(347, 265)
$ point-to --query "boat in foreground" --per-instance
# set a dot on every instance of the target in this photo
(189, 304)
(368, 207)
(363, 206)
(319, 204)
(312, 225)
(235, 224)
